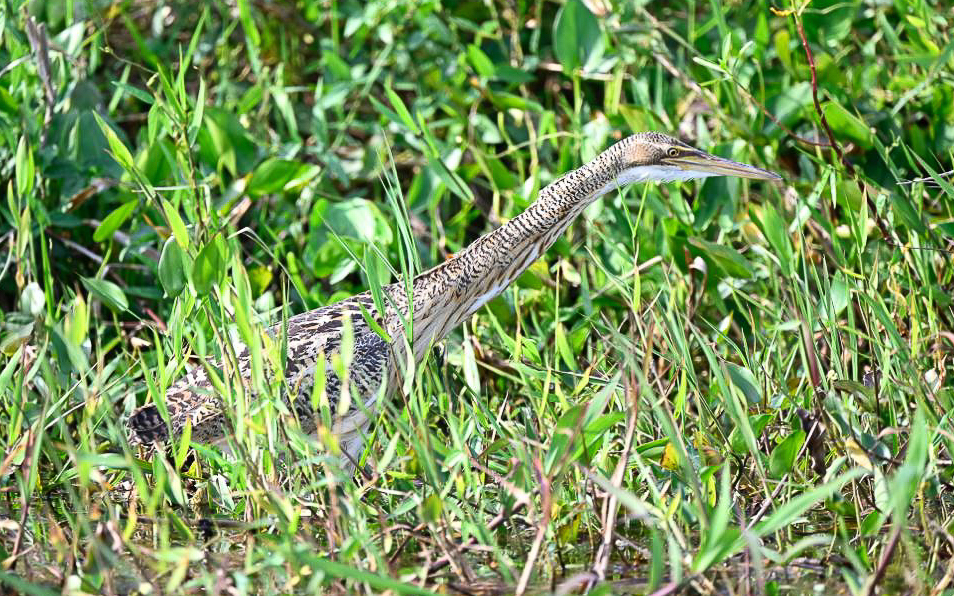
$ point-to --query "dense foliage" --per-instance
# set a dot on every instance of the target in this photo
(717, 385)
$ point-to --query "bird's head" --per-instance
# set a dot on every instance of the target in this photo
(651, 156)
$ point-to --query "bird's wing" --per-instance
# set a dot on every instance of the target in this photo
(309, 336)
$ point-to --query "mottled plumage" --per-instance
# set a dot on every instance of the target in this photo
(443, 297)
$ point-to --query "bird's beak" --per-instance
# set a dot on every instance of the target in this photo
(710, 165)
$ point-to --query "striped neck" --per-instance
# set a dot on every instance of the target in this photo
(449, 293)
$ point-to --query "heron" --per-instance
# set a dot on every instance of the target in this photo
(408, 323)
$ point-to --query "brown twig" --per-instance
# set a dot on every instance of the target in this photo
(493, 525)
(882, 227)
(709, 97)
(546, 509)
(821, 115)
(879, 221)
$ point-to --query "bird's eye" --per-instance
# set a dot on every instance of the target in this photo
(673, 152)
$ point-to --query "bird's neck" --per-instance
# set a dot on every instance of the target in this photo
(449, 293)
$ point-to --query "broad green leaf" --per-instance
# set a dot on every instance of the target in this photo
(108, 293)
(846, 125)
(359, 219)
(271, 176)
(737, 438)
(729, 259)
(479, 60)
(172, 271)
(560, 441)
(830, 21)
(432, 508)
(116, 147)
(25, 168)
(577, 39)
(76, 325)
(113, 221)
(209, 265)
(783, 455)
(776, 232)
(401, 110)
(177, 225)
(787, 107)
(746, 382)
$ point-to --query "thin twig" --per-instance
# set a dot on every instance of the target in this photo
(611, 503)
(882, 227)
(546, 507)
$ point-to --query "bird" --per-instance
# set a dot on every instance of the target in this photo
(440, 299)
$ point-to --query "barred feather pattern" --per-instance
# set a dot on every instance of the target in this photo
(442, 298)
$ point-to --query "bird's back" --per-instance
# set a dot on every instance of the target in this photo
(311, 337)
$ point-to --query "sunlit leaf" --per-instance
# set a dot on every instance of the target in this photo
(114, 221)
(172, 272)
(782, 458)
(271, 176)
(577, 39)
(209, 266)
(108, 293)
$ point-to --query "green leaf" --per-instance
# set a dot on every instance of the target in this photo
(577, 39)
(113, 221)
(184, 441)
(76, 325)
(381, 583)
(846, 125)
(22, 586)
(783, 42)
(745, 381)
(272, 175)
(479, 60)
(776, 232)
(108, 293)
(136, 92)
(783, 455)
(172, 271)
(432, 508)
(209, 266)
(359, 219)
(196, 124)
(728, 259)
(787, 107)
(401, 110)
(563, 347)
(788, 511)
(176, 223)
(737, 437)
(469, 364)
(25, 168)
(116, 147)
(906, 212)
(563, 435)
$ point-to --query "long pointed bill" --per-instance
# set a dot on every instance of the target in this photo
(710, 165)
